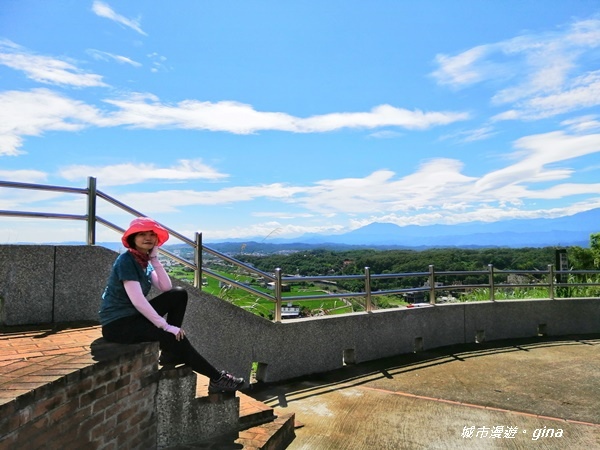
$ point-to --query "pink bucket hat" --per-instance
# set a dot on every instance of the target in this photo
(146, 224)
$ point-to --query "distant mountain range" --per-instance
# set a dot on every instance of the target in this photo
(561, 232)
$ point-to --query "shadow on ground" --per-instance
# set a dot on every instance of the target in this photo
(525, 384)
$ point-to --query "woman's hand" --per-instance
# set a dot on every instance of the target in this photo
(179, 336)
(154, 252)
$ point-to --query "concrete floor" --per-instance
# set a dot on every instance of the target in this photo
(519, 394)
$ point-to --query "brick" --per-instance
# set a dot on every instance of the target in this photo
(111, 374)
(93, 395)
(123, 380)
(43, 406)
(77, 389)
(104, 428)
(134, 439)
(44, 438)
(139, 417)
(63, 410)
(88, 424)
(103, 403)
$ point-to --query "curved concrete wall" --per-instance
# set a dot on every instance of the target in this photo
(41, 284)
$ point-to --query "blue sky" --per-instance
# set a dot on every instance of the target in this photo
(267, 118)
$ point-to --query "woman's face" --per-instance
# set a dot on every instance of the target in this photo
(145, 241)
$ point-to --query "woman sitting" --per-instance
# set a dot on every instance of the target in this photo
(128, 317)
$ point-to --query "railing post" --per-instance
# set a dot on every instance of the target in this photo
(431, 284)
(198, 262)
(491, 281)
(277, 295)
(551, 281)
(91, 211)
(368, 304)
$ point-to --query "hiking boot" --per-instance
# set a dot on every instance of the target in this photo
(225, 383)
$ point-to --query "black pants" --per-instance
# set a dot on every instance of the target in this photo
(134, 329)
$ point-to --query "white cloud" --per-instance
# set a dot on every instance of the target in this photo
(106, 56)
(269, 230)
(23, 176)
(173, 200)
(582, 92)
(104, 10)
(23, 200)
(283, 215)
(437, 185)
(540, 74)
(582, 124)
(535, 153)
(145, 111)
(158, 63)
(129, 173)
(31, 113)
(462, 69)
(478, 134)
(482, 213)
(45, 69)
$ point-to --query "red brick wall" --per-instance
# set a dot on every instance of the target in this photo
(106, 405)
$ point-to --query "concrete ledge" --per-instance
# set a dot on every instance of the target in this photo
(80, 279)
(183, 418)
(233, 339)
(43, 284)
(26, 284)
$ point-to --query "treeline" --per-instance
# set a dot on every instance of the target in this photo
(353, 262)
(327, 262)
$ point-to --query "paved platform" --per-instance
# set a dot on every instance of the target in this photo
(518, 394)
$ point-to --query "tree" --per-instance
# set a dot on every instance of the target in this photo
(581, 258)
(595, 247)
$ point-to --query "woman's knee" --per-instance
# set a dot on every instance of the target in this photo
(180, 294)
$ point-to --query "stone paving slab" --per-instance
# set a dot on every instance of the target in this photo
(518, 394)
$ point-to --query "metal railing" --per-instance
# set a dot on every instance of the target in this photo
(430, 287)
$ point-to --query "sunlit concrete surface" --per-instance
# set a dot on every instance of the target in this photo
(518, 394)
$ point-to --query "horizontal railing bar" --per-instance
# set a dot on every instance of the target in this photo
(130, 210)
(398, 291)
(238, 263)
(576, 272)
(323, 278)
(457, 272)
(548, 279)
(322, 297)
(243, 286)
(521, 271)
(399, 275)
(521, 285)
(44, 215)
(449, 287)
(110, 225)
(41, 187)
